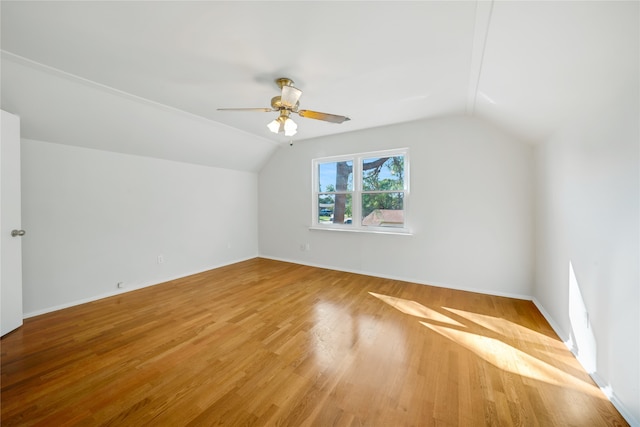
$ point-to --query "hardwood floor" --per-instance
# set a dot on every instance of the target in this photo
(271, 343)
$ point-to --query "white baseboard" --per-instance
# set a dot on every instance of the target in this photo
(127, 289)
(554, 325)
(403, 279)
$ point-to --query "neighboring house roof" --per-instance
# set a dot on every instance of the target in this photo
(384, 217)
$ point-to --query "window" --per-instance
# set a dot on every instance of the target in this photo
(361, 192)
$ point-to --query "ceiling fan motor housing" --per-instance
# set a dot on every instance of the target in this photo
(276, 104)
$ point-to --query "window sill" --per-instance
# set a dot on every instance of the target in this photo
(397, 231)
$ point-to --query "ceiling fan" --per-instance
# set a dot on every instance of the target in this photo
(286, 103)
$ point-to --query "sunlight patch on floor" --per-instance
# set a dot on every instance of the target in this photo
(495, 351)
(414, 308)
(511, 359)
(505, 327)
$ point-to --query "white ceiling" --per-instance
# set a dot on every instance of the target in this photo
(131, 73)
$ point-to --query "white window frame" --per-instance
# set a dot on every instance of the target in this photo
(357, 192)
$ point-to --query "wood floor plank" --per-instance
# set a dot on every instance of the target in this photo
(264, 342)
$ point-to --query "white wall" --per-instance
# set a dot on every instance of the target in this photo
(588, 242)
(470, 208)
(95, 218)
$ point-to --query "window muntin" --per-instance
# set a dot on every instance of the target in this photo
(367, 191)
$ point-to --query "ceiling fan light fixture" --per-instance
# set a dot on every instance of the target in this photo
(290, 127)
(283, 124)
(274, 126)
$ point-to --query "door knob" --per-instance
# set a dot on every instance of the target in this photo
(15, 233)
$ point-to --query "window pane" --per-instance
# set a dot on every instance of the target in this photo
(383, 173)
(383, 209)
(335, 176)
(334, 208)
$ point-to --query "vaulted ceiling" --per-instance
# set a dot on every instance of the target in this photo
(147, 77)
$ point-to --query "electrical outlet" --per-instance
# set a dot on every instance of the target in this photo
(307, 246)
(120, 285)
(160, 259)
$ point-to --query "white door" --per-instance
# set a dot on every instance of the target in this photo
(10, 229)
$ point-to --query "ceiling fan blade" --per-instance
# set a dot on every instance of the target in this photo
(263, 110)
(290, 96)
(333, 118)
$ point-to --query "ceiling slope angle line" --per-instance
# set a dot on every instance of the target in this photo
(286, 103)
(119, 121)
(52, 71)
(484, 11)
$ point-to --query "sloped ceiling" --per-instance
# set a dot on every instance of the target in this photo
(147, 77)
